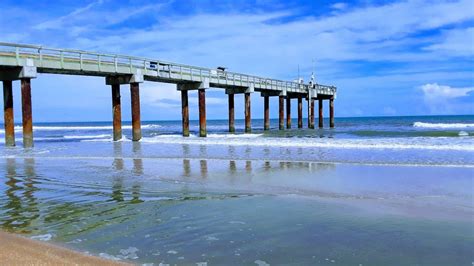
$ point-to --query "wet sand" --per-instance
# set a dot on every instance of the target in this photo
(17, 250)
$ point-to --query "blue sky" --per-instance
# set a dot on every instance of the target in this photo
(385, 57)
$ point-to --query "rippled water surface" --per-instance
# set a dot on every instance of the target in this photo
(383, 193)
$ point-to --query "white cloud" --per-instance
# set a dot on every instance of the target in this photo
(339, 6)
(455, 42)
(434, 91)
(442, 98)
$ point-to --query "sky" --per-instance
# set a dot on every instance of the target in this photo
(386, 58)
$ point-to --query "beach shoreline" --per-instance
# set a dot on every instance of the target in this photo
(18, 250)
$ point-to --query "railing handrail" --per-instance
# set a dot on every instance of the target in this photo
(240, 76)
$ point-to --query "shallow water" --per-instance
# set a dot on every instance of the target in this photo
(299, 197)
(242, 212)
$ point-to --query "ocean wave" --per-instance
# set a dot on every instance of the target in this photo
(443, 125)
(87, 136)
(419, 143)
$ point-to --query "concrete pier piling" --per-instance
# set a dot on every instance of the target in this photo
(202, 112)
(185, 112)
(135, 101)
(248, 115)
(8, 113)
(281, 111)
(116, 112)
(320, 112)
(311, 113)
(331, 112)
(266, 112)
(300, 112)
(231, 113)
(288, 112)
(27, 115)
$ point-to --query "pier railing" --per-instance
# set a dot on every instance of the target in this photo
(68, 61)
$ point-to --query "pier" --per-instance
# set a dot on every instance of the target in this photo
(24, 62)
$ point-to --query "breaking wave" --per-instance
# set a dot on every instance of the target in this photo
(442, 125)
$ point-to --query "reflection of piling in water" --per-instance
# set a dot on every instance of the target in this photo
(186, 167)
(232, 167)
(186, 162)
(137, 161)
(204, 171)
(118, 156)
(267, 166)
(136, 194)
(248, 167)
(117, 186)
(21, 203)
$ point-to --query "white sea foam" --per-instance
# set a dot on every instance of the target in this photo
(88, 136)
(443, 125)
(421, 143)
(45, 237)
(79, 128)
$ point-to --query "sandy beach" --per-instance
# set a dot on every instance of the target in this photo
(18, 250)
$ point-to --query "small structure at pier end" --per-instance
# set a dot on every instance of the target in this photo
(23, 62)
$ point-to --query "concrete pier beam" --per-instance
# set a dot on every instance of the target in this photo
(8, 113)
(320, 105)
(281, 112)
(116, 112)
(231, 113)
(27, 116)
(248, 116)
(266, 112)
(202, 112)
(288, 112)
(300, 112)
(135, 101)
(331, 112)
(185, 112)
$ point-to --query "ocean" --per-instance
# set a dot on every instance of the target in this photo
(372, 191)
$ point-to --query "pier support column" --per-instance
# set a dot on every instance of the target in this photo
(185, 112)
(311, 113)
(300, 112)
(202, 112)
(231, 113)
(26, 112)
(320, 105)
(248, 116)
(288, 112)
(266, 112)
(281, 111)
(331, 112)
(8, 113)
(116, 112)
(136, 123)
